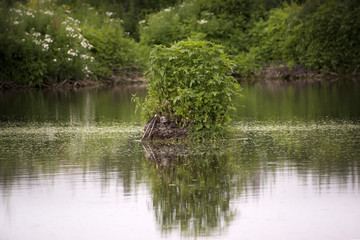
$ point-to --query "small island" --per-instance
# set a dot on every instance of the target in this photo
(190, 91)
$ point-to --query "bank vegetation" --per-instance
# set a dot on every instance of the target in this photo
(62, 42)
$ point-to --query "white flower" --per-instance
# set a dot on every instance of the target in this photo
(37, 42)
(54, 60)
(16, 23)
(45, 46)
(36, 34)
(30, 14)
(84, 56)
(48, 39)
(86, 69)
(110, 14)
(48, 12)
(69, 29)
(167, 9)
(69, 59)
(85, 44)
(73, 35)
(67, 11)
(202, 21)
(72, 53)
(142, 22)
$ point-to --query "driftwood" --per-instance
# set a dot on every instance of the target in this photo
(163, 128)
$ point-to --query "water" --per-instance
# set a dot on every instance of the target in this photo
(72, 167)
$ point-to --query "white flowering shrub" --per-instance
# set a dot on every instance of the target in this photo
(55, 43)
(43, 45)
(111, 46)
(223, 22)
(164, 27)
(188, 19)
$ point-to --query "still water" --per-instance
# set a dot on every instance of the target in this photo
(72, 167)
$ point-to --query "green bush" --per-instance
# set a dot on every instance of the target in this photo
(112, 47)
(51, 43)
(321, 36)
(225, 22)
(331, 37)
(270, 40)
(42, 44)
(164, 27)
(189, 82)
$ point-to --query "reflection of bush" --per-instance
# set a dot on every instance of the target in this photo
(191, 190)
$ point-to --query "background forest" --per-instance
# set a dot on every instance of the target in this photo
(44, 42)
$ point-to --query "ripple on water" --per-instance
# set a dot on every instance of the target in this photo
(53, 130)
(257, 126)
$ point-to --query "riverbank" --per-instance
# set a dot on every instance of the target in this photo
(275, 73)
(126, 77)
(282, 71)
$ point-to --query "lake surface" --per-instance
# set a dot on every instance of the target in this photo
(72, 167)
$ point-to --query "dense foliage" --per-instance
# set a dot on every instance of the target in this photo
(54, 43)
(320, 35)
(223, 22)
(64, 40)
(189, 82)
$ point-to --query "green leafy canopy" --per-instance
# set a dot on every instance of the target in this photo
(189, 82)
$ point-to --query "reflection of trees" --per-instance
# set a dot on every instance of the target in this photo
(327, 154)
(192, 190)
(299, 100)
(192, 186)
(36, 154)
(76, 106)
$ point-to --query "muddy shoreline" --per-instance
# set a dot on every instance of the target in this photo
(125, 78)
(282, 71)
(129, 77)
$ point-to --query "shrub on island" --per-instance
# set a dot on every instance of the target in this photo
(190, 91)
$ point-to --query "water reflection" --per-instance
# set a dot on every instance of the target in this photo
(75, 106)
(191, 190)
(73, 161)
(34, 152)
(300, 101)
(195, 190)
(194, 187)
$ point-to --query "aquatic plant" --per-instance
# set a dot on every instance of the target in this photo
(190, 84)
